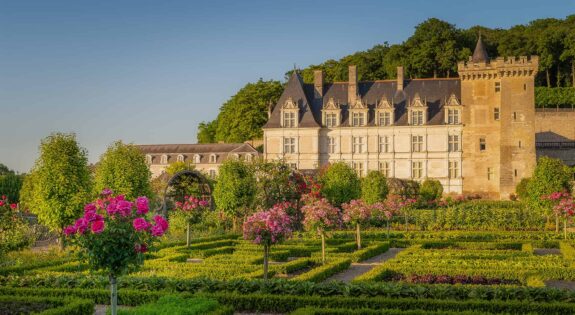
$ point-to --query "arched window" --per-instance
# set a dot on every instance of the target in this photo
(248, 157)
(213, 158)
(180, 158)
(148, 159)
(164, 159)
(197, 159)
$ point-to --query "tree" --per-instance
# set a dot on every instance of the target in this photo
(235, 189)
(10, 185)
(123, 169)
(242, 117)
(357, 212)
(207, 131)
(550, 175)
(340, 184)
(320, 216)
(522, 189)
(430, 190)
(374, 187)
(59, 184)
(276, 183)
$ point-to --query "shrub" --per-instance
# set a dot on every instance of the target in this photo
(340, 184)
(178, 305)
(522, 189)
(430, 190)
(374, 187)
(323, 272)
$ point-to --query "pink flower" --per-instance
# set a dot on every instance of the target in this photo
(124, 207)
(90, 207)
(97, 227)
(106, 192)
(140, 224)
(157, 230)
(142, 205)
(81, 225)
(13, 206)
(70, 230)
(90, 215)
(1, 203)
(160, 221)
(140, 248)
(112, 208)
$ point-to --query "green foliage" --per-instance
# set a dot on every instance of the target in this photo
(276, 182)
(175, 305)
(430, 189)
(45, 305)
(14, 230)
(550, 175)
(10, 185)
(340, 184)
(522, 189)
(405, 188)
(123, 169)
(59, 184)
(242, 117)
(325, 271)
(207, 131)
(236, 187)
(177, 167)
(374, 187)
(555, 97)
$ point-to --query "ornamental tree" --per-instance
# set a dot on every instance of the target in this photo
(14, 231)
(320, 216)
(267, 228)
(113, 235)
(235, 189)
(374, 187)
(192, 208)
(430, 191)
(563, 207)
(397, 204)
(59, 184)
(340, 184)
(385, 210)
(123, 169)
(356, 212)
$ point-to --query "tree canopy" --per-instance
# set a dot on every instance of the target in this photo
(123, 169)
(235, 188)
(340, 184)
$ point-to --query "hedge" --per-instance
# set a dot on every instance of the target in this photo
(323, 272)
(366, 311)
(369, 251)
(55, 306)
(567, 250)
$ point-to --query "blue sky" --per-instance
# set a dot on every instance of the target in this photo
(150, 71)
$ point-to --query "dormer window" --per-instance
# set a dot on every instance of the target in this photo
(417, 111)
(384, 112)
(453, 111)
(213, 158)
(148, 159)
(248, 157)
(197, 158)
(180, 158)
(164, 159)
(358, 112)
(289, 114)
(331, 113)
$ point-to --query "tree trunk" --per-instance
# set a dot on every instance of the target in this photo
(322, 248)
(62, 240)
(235, 224)
(266, 257)
(573, 73)
(556, 224)
(113, 295)
(448, 73)
(358, 236)
(565, 228)
(558, 76)
(548, 78)
(188, 234)
(387, 229)
(406, 222)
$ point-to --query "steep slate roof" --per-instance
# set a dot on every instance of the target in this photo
(435, 92)
(480, 53)
(222, 150)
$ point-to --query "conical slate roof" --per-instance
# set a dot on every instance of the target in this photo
(480, 53)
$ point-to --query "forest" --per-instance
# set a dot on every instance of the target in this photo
(431, 52)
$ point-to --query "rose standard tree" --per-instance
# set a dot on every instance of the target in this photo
(192, 208)
(385, 210)
(564, 207)
(320, 216)
(114, 234)
(357, 212)
(267, 228)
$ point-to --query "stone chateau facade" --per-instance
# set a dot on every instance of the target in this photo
(475, 133)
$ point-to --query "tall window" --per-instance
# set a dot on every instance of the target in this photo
(384, 118)
(289, 145)
(453, 143)
(212, 174)
(213, 158)
(453, 169)
(417, 117)
(293, 166)
(148, 159)
(497, 86)
(180, 158)
(417, 169)
(357, 144)
(482, 144)
(489, 173)
(331, 145)
(164, 159)
(384, 144)
(248, 157)
(416, 143)
(358, 168)
(496, 113)
(289, 119)
(331, 120)
(384, 168)
(358, 119)
(197, 158)
(453, 116)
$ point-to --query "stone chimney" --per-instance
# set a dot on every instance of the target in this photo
(318, 84)
(400, 78)
(352, 85)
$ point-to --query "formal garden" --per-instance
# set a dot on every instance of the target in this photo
(262, 238)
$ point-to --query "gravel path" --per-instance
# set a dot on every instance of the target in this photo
(546, 251)
(560, 284)
(357, 269)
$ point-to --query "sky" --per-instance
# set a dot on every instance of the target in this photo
(148, 72)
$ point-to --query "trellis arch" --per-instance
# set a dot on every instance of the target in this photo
(192, 177)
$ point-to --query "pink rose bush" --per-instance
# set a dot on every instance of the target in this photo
(192, 209)
(320, 216)
(357, 212)
(267, 228)
(114, 234)
(563, 207)
(14, 229)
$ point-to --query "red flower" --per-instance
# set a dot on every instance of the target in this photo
(13, 206)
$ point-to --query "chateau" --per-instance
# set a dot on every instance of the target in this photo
(475, 133)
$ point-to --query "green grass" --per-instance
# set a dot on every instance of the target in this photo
(176, 305)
